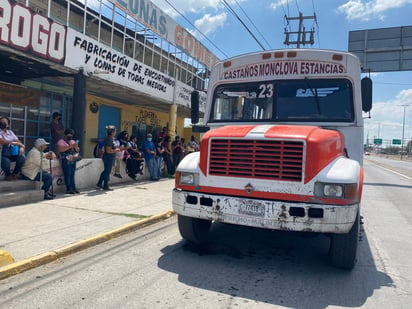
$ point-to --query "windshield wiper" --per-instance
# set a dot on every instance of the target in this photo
(314, 91)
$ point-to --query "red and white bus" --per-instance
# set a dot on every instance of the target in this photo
(284, 150)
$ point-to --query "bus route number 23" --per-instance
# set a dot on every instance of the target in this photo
(265, 91)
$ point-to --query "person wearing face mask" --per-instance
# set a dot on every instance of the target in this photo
(12, 150)
(56, 130)
(108, 158)
(69, 154)
(149, 151)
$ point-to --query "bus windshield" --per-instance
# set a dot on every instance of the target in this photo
(306, 100)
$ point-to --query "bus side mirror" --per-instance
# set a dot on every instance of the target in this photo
(194, 108)
(366, 89)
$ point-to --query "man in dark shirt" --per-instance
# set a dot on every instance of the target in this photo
(56, 130)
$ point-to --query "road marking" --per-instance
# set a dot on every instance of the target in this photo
(388, 169)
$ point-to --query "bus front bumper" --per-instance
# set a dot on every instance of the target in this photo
(269, 214)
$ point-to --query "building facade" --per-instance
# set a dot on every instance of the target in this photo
(98, 63)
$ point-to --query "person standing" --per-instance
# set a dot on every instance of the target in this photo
(69, 150)
(159, 156)
(167, 155)
(34, 168)
(178, 151)
(193, 144)
(108, 158)
(12, 150)
(56, 130)
(122, 143)
(149, 152)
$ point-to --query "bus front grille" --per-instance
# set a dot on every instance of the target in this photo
(264, 159)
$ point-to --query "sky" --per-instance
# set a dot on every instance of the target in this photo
(220, 31)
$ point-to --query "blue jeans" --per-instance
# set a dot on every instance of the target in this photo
(159, 160)
(151, 165)
(6, 162)
(47, 180)
(69, 170)
(108, 162)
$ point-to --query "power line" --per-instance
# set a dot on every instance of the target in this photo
(210, 41)
(247, 16)
(316, 22)
(241, 21)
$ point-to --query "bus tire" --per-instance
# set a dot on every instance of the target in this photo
(343, 247)
(193, 229)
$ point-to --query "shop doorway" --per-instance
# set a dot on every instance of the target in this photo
(108, 116)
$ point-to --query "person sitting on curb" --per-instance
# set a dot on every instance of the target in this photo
(36, 163)
(12, 150)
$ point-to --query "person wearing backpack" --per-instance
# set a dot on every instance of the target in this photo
(98, 150)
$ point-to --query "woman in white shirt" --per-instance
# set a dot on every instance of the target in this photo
(12, 150)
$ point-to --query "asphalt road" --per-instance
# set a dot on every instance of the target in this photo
(239, 268)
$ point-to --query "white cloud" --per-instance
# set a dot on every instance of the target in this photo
(387, 118)
(208, 23)
(366, 10)
(278, 4)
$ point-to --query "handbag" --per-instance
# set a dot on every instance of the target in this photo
(14, 150)
(10, 150)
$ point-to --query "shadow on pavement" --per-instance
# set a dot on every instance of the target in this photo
(274, 267)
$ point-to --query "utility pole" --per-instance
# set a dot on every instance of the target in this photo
(303, 37)
(403, 127)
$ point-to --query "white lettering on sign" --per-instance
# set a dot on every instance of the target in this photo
(184, 40)
(156, 20)
(284, 68)
(24, 30)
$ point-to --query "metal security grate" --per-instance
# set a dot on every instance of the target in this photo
(266, 159)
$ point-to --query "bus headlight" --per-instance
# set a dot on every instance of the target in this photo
(347, 191)
(191, 179)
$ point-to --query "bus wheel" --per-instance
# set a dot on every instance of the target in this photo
(343, 247)
(193, 229)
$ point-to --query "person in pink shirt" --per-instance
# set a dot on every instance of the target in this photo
(69, 150)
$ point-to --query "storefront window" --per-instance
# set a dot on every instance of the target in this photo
(32, 122)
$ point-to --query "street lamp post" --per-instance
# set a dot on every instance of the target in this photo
(403, 127)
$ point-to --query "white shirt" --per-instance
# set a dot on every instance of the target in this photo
(31, 166)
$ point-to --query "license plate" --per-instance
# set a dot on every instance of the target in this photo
(252, 208)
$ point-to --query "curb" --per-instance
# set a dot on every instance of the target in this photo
(5, 258)
(50, 256)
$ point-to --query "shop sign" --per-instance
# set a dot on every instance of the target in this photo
(145, 12)
(108, 64)
(22, 29)
(183, 93)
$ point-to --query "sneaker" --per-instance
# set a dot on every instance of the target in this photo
(76, 191)
(51, 194)
(48, 197)
(118, 175)
(99, 185)
(70, 192)
(132, 176)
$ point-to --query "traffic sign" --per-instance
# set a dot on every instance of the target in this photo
(377, 141)
(396, 142)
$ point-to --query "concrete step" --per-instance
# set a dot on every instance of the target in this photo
(18, 185)
(14, 198)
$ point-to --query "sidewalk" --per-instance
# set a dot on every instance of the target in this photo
(33, 229)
